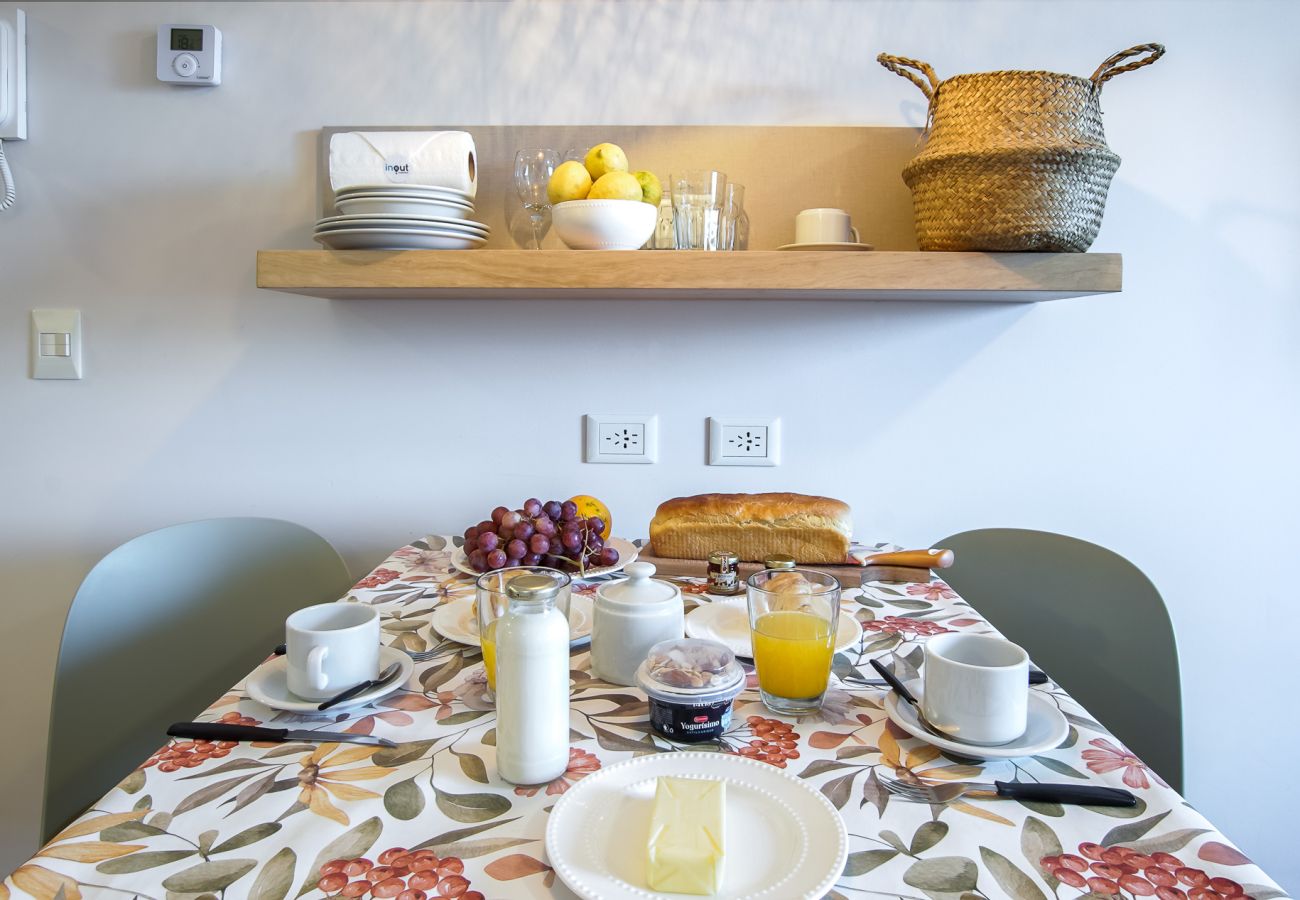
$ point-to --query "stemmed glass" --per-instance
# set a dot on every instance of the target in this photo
(533, 170)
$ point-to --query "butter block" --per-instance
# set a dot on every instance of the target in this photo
(685, 851)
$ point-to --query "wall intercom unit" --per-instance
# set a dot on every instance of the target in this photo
(13, 75)
(189, 54)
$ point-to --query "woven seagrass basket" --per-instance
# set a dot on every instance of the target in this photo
(1013, 160)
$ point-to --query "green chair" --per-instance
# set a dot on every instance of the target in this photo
(1092, 621)
(158, 630)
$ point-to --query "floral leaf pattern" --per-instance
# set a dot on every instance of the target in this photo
(431, 817)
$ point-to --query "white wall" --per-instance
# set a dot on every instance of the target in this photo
(1160, 422)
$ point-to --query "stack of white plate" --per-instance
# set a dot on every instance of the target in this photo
(401, 217)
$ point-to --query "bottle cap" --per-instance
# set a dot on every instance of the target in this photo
(532, 587)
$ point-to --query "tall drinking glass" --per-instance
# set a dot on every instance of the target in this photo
(697, 209)
(735, 224)
(533, 170)
(492, 603)
(792, 619)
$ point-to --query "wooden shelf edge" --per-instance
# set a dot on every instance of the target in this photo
(759, 274)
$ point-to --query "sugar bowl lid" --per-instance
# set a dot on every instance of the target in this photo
(639, 588)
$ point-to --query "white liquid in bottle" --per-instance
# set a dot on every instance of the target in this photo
(532, 657)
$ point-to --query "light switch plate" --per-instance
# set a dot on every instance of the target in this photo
(744, 441)
(621, 438)
(56, 344)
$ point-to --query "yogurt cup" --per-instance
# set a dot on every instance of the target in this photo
(691, 684)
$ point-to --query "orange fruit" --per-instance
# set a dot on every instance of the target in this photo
(589, 506)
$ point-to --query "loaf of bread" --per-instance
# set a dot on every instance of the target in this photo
(754, 526)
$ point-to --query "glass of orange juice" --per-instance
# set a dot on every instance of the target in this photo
(491, 602)
(792, 619)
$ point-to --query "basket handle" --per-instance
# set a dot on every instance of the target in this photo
(900, 65)
(1110, 68)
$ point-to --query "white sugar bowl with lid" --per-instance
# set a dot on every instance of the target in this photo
(632, 615)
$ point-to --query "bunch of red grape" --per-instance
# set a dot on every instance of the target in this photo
(538, 534)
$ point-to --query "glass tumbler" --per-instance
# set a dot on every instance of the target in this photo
(491, 603)
(793, 614)
(697, 209)
(734, 222)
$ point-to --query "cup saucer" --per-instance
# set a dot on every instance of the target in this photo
(1045, 730)
(828, 245)
(268, 684)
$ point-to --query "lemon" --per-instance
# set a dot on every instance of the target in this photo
(605, 158)
(589, 506)
(651, 190)
(615, 186)
(569, 181)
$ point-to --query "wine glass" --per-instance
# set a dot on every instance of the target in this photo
(533, 170)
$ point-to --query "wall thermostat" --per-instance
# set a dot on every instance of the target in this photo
(189, 54)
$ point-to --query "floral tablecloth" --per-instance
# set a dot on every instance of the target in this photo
(431, 819)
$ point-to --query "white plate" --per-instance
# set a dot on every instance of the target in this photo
(381, 205)
(784, 840)
(727, 622)
(406, 190)
(828, 245)
(438, 223)
(269, 686)
(456, 620)
(397, 239)
(1046, 729)
(627, 552)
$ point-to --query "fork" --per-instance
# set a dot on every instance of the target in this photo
(422, 655)
(1083, 794)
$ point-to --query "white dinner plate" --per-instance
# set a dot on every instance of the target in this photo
(783, 839)
(828, 245)
(409, 190)
(383, 205)
(627, 552)
(727, 622)
(1046, 729)
(440, 223)
(269, 685)
(397, 239)
(456, 620)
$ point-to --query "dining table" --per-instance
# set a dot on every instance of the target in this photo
(432, 818)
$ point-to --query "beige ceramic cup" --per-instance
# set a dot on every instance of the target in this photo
(824, 226)
(976, 688)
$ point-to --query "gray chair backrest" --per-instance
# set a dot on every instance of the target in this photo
(1092, 620)
(159, 629)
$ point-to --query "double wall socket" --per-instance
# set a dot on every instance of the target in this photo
(744, 441)
(622, 438)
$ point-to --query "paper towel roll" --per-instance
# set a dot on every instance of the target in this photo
(431, 158)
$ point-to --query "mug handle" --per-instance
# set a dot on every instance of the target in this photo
(857, 239)
(316, 676)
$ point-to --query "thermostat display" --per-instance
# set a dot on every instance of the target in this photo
(189, 54)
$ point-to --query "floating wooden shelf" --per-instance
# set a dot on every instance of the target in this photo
(648, 274)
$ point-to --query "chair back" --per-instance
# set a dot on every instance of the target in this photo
(158, 629)
(1092, 621)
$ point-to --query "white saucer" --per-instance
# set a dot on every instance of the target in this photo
(455, 620)
(728, 624)
(828, 245)
(784, 837)
(1046, 729)
(268, 685)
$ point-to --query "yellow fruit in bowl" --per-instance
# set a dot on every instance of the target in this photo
(569, 181)
(651, 190)
(615, 186)
(589, 506)
(605, 158)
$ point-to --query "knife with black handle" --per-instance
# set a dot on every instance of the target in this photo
(1080, 794)
(220, 731)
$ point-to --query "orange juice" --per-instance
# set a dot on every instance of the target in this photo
(489, 641)
(792, 651)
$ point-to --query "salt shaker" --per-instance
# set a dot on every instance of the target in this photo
(532, 656)
(631, 616)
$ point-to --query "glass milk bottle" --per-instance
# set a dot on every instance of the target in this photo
(532, 657)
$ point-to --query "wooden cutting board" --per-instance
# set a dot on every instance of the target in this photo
(848, 575)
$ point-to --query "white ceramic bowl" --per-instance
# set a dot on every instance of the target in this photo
(604, 224)
(378, 204)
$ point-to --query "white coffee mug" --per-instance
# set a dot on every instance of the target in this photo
(330, 647)
(824, 226)
(976, 688)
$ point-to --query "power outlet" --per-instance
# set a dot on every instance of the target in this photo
(622, 438)
(744, 441)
